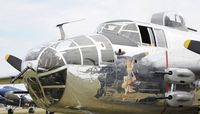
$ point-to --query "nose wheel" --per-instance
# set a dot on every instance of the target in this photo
(31, 110)
(10, 111)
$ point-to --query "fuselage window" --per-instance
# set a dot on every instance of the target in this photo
(107, 54)
(58, 78)
(82, 41)
(147, 35)
(72, 56)
(152, 36)
(90, 56)
(132, 37)
(65, 44)
(131, 27)
(53, 94)
(160, 36)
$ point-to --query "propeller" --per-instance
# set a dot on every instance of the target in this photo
(14, 61)
(192, 45)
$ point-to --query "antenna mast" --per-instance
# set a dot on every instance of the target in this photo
(60, 26)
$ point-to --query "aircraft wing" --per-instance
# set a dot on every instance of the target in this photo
(7, 80)
(6, 101)
(18, 78)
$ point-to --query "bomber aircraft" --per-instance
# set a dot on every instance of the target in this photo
(10, 99)
(124, 67)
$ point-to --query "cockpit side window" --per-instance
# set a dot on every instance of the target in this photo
(90, 56)
(121, 33)
(72, 56)
(107, 54)
(83, 41)
(62, 45)
(147, 36)
(160, 36)
(132, 37)
(131, 27)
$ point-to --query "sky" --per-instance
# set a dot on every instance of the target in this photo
(25, 24)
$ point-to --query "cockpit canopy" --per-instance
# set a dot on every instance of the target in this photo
(125, 31)
(170, 19)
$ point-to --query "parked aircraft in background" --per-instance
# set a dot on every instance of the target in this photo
(125, 67)
(9, 97)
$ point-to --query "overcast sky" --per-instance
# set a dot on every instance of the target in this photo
(27, 23)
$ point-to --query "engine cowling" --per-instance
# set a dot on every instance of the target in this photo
(179, 75)
(180, 98)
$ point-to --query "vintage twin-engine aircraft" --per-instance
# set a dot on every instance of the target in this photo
(125, 67)
(10, 100)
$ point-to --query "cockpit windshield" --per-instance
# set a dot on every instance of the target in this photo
(121, 33)
(34, 53)
(114, 28)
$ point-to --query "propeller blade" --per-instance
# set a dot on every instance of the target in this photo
(192, 45)
(14, 61)
(21, 92)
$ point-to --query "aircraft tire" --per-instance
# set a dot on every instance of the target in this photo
(31, 111)
(47, 112)
(10, 111)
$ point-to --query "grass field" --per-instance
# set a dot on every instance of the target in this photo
(41, 111)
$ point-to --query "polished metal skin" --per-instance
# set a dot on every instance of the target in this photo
(126, 67)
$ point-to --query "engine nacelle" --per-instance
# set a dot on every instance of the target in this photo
(179, 98)
(178, 75)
